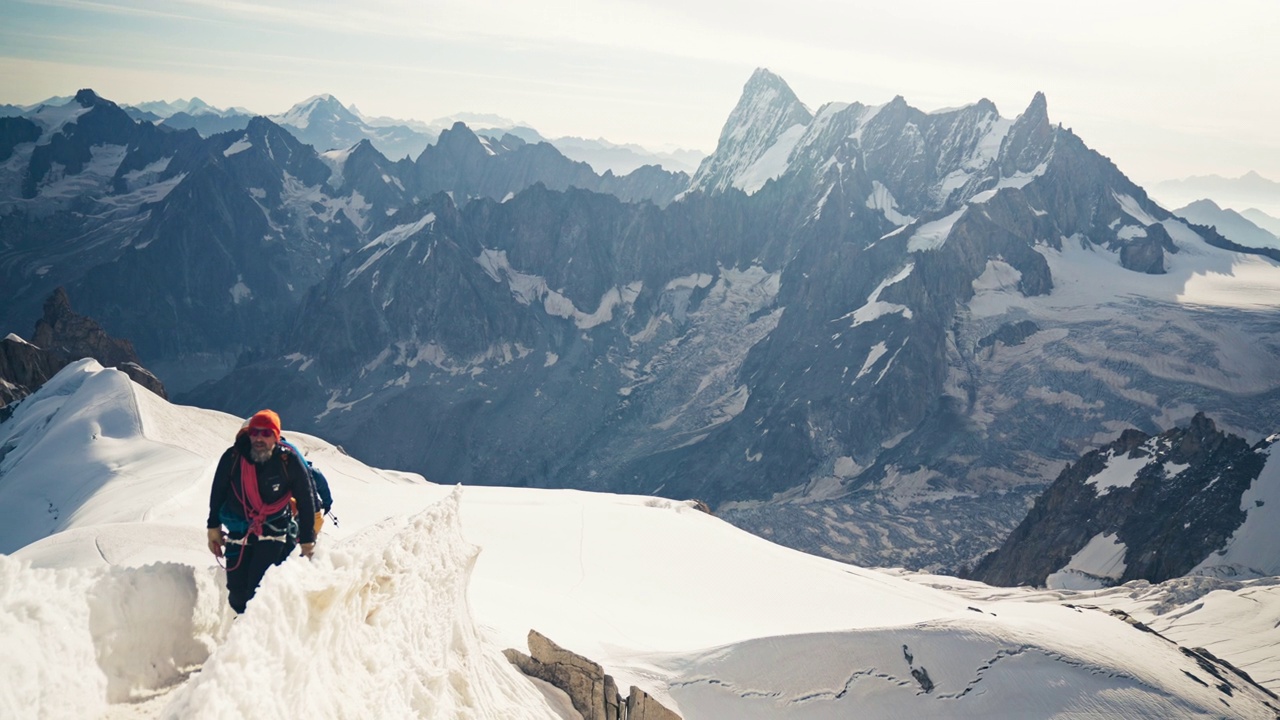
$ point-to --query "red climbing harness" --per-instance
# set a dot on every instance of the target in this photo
(255, 511)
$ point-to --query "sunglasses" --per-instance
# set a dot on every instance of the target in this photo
(262, 432)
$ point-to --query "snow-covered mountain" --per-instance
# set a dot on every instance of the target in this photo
(1190, 500)
(1234, 226)
(325, 124)
(8, 110)
(111, 605)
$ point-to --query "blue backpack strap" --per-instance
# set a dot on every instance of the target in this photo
(322, 501)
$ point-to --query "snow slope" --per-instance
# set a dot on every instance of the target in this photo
(113, 608)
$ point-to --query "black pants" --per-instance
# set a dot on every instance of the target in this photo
(244, 573)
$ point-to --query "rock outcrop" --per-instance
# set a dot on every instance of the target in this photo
(593, 693)
(23, 368)
(62, 337)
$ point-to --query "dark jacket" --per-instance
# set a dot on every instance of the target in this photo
(282, 474)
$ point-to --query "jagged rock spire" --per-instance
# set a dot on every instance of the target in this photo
(1029, 140)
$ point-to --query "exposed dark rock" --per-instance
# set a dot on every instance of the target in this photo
(70, 336)
(1029, 140)
(581, 679)
(23, 368)
(1146, 254)
(15, 131)
(103, 123)
(921, 674)
(1011, 333)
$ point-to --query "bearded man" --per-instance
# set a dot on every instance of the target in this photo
(255, 480)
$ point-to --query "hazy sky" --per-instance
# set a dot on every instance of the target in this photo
(1166, 89)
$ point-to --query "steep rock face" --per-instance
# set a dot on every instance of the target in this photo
(102, 123)
(236, 241)
(74, 337)
(13, 132)
(1146, 508)
(1029, 140)
(479, 328)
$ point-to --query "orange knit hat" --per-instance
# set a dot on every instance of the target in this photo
(266, 419)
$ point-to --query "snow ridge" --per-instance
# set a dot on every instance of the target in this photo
(354, 617)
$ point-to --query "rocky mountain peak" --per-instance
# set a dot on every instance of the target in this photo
(985, 105)
(459, 139)
(196, 105)
(1200, 438)
(260, 127)
(766, 110)
(767, 95)
(74, 336)
(1029, 140)
(88, 98)
(282, 150)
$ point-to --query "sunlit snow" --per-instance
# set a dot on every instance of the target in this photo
(933, 234)
(1120, 472)
(874, 307)
(116, 608)
(772, 164)
(1098, 564)
(238, 146)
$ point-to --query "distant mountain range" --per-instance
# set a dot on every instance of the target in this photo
(1249, 191)
(869, 332)
(326, 124)
(1249, 228)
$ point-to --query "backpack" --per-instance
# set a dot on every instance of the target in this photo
(321, 496)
